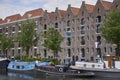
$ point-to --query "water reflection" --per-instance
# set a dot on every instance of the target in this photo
(20, 76)
(24, 76)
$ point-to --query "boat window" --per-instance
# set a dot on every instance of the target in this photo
(18, 67)
(84, 65)
(93, 65)
(23, 67)
(13, 66)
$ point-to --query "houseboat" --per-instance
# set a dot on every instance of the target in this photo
(106, 68)
(26, 67)
(61, 70)
(4, 64)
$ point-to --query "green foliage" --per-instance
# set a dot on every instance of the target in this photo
(53, 40)
(17, 56)
(28, 36)
(5, 43)
(53, 61)
(111, 28)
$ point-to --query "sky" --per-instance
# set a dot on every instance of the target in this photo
(11, 7)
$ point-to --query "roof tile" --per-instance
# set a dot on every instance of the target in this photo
(12, 18)
(89, 7)
(107, 4)
(63, 12)
(75, 10)
(33, 13)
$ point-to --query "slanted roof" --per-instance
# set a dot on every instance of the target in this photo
(33, 13)
(51, 15)
(89, 7)
(106, 4)
(75, 11)
(1, 21)
(13, 18)
(62, 12)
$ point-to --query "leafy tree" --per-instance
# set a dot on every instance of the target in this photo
(111, 29)
(28, 36)
(53, 41)
(5, 43)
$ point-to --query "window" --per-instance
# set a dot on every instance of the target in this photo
(99, 40)
(69, 53)
(6, 29)
(83, 52)
(82, 21)
(98, 28)
(13, 51)
(105, 49)
(56, 25)
(45, 27)
(18, 67)
(45, 53)
(19, 51)
(68, 41)
(0, 30)
(82, 40)
(35, 52)
(82, 30)
(13, 28)
(68, 23)
(98, 19)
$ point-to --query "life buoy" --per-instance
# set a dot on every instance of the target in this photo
(61, 69)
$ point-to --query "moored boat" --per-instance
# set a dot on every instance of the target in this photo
(26, 67)
(4, 64)
(61, 70)
(99, 68)
(20, 66)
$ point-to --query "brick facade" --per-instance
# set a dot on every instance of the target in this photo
(83, 23)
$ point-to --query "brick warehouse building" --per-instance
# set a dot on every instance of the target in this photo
(80, 28)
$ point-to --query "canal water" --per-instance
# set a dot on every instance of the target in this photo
(22, 76)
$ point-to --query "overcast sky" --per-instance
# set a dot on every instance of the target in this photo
(11, 7)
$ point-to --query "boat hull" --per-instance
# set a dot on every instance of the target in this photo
(113, 73)
(68, 73)
(22, 71)
(4, 65)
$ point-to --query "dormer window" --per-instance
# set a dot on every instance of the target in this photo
(8, 20)
(29, 15)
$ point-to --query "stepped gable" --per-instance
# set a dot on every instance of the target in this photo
(106, 4)
(51, 15)
(12, 18)
(1, 21)
(75, 11)
(33, 13)
(89, 7)
(63, 13)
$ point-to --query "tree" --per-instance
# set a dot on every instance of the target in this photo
(111, 29)
(5, 43)
(53, 41)
(28, 36)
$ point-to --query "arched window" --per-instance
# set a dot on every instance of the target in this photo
(45, 26)
(82, 21)
(83, 52)
(98, 19)
(56, 25)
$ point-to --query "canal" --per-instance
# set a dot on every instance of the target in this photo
(20, 76)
